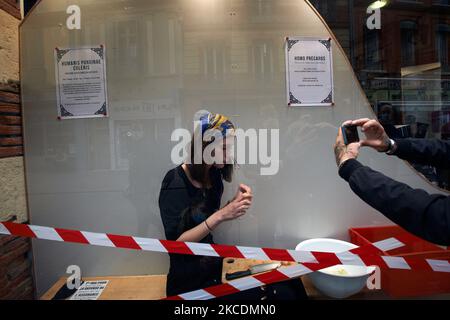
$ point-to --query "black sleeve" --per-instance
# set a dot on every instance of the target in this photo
(172, 203)
(431, 152)
(425, 215)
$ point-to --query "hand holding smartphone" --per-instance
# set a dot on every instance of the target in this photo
(350, 134)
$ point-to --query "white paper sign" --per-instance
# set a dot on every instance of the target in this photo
(309, 72)
(90, 290)
(81, 82)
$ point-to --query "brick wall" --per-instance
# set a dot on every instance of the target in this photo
(9, 42)
(16, 281)
(12, 7)
(11, 144)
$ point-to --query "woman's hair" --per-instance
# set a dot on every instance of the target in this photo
(199, 171)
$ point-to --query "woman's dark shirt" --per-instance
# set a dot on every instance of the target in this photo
(183, 207)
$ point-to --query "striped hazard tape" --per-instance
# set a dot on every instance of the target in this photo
(358, 256)
(280, 274)
(308, 261)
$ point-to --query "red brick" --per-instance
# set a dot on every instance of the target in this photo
(28, 294)
(17, 289)
(12, 245)
(3, 279)
(4, 239)
(10, 120)
(10, 108)
(15, 269)
(14, 284)
(11, 141)
(6, 152)
(9, 97)
(10, 130)
(16, 280)
(10, 8)
(8, 257)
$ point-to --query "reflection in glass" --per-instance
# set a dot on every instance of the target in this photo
(168, 59)
(403, 67)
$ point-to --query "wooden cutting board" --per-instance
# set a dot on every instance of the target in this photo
(231, 265)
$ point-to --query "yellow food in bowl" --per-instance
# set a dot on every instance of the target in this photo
(340, 272)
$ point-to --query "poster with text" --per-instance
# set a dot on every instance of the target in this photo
(309, 72)
(90, 290)
(81, 82)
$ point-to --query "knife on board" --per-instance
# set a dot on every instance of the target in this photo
(258, 268)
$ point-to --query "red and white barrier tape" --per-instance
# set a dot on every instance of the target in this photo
(278, 275)
(358, 256)
(247, 283)
(309, 261)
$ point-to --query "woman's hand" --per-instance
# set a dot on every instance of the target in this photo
(243, 189)
(238, 206)
(234, 209)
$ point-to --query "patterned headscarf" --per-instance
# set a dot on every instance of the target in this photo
(215, 121)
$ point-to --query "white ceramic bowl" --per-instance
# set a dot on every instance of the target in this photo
(340, 281)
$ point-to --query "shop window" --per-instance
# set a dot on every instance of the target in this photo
(397, 68)
(214, 60)
(162, 34)
(372, 55)
(263, 7)
(125, 38)
(442, 46)
(408, 31)
(327, 9)
(262, 57)
(98, 151)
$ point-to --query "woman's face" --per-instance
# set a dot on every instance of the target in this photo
(226, 149)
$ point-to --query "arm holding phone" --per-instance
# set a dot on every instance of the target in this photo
(434, 152)
(427, 216)
(424, 151)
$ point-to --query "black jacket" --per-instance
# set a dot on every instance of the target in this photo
(425, 215)
(182, 207)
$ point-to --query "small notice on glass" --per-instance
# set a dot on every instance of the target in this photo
(90, 290)
(309, 71)
(81, 82)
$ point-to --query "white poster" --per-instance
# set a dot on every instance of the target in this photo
(81, 82)
(90, 290)
(309, 72)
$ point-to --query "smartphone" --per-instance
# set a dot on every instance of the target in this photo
(350, 134)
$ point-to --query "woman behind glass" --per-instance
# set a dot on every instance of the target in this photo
(189, 204)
